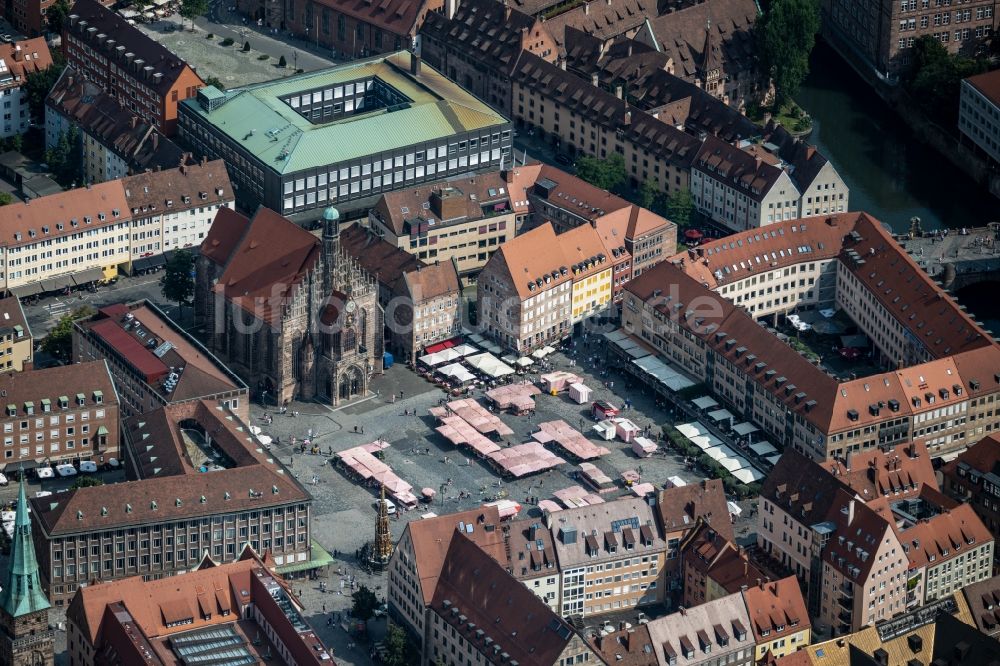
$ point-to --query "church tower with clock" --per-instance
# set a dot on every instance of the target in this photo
(350, 322)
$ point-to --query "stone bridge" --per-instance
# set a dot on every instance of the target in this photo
(959, 259)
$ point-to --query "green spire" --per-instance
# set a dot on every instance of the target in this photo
(22, 594)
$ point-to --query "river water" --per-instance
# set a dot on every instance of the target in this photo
(890, 174)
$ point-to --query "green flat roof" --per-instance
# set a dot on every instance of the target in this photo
(320, 558)
(255, 118)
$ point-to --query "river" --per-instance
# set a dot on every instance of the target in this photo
(890, 174)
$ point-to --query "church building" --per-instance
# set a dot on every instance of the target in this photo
(288, 310)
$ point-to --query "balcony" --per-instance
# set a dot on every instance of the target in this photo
(846, 603)
(847, 591)
(844, 616)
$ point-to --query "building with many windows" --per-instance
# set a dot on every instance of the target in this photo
(343, 136)
(16, 342)
(979, 112)
(63, 414)
(144, 76)
(170, 514)
(18, 59)
(114, 142)
(237, 612)
(154, 361)
(973, 478)
(882, 34)
(937, 385)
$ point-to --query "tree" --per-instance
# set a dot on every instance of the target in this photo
(86, 482)
(177, 282)
(679, 208)
(935, 78)
(786, 34)
(56, 15)
(37, 85)
(648, 193)
(6, 198)
(246, 47)
(192, 9)
(64, 159)
(365, 603)
(607, 174)
(59, 341)
(282, 62)
(214, 81)
(17, 143)
(399, 650)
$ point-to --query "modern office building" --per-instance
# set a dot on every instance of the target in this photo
(199, 484)
(155, 362)
(236, 613)
(143, 75)
(932, 377)
(979, 112)
(63, 414)
(343, 136)
(16, 342)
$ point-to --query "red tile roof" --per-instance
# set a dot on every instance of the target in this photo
(226, 231)
(267, 264)
(681, 507)
(58, 213)
(948, 534)
(988, 84)
(778, 608)
(485, 605)
(983, 456)
(25, 57)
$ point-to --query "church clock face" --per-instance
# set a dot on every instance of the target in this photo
(351, 306)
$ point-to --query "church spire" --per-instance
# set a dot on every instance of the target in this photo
(22, 594)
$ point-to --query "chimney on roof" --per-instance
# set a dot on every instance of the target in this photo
(156, 141)
(757, 162)
(618, 91)
(133, 121)
(415, 64)
(586, 8)
(594, 80)
(17, 52)
(449, 8)
(508, 175)
(506, 11)
(627, 120)
(850, 513)
(810, 151)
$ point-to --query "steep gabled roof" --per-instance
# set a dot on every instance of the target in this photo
(682, 506)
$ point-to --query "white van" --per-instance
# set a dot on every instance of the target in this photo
(390, 508)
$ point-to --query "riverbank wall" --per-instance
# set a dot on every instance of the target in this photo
(903, 105)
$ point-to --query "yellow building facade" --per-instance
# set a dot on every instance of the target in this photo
(591, 294)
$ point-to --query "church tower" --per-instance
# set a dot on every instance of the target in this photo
(25, 637)
(331, 246)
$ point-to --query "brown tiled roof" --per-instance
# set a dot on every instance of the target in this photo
(386, 262)
(267, 264)
(983, 457)
(598, 527)
(60, 210)
(899, 472)
(476, 596)
(983, 598)
(802, 487)
(178, 189)
(632, 647)
(226, 231)
(477, 191)
(603, 108)
(806, 160)
(681, 35)
(25, 57)
(681, 507)
(432, 537)
(988, 84)
(147, 49)
(202, 375)
(176, 492)
(646, 82)
(948, 534)
(977, 368)
(532, 255)
(575, 195)
(736, 168)
(51, 383)
(714, 556)
(776, 607)
(99, 115)
(399, 17)
(532, 552)
(865, 529)
(906, 291)
(605, 19)
(434, 281)
(11, 315)
(482, 28)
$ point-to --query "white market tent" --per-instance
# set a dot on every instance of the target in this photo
(773, 459)
(524, 361)
(763, 448)
(462, 350)
(748, 475)
(676, 481)
(443, 356)
(690, 430)
(734, 508)
(721, 451)
(489, 364)
(720, 415)
(743, 429)
(457, 372)
(656, 369)
(733, 464)
(705, 402)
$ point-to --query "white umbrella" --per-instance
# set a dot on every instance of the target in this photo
(254, 430)
(524, 361)
(265, 440)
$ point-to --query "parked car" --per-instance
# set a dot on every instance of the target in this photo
(390, 508)
(45, 473)
(65, 470)
(563, 158)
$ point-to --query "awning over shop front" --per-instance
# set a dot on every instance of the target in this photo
(87, 276)
(319, 557)
(57, 283)
(145, 263)
(27, 289)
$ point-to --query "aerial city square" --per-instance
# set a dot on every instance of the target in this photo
(504, 332)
